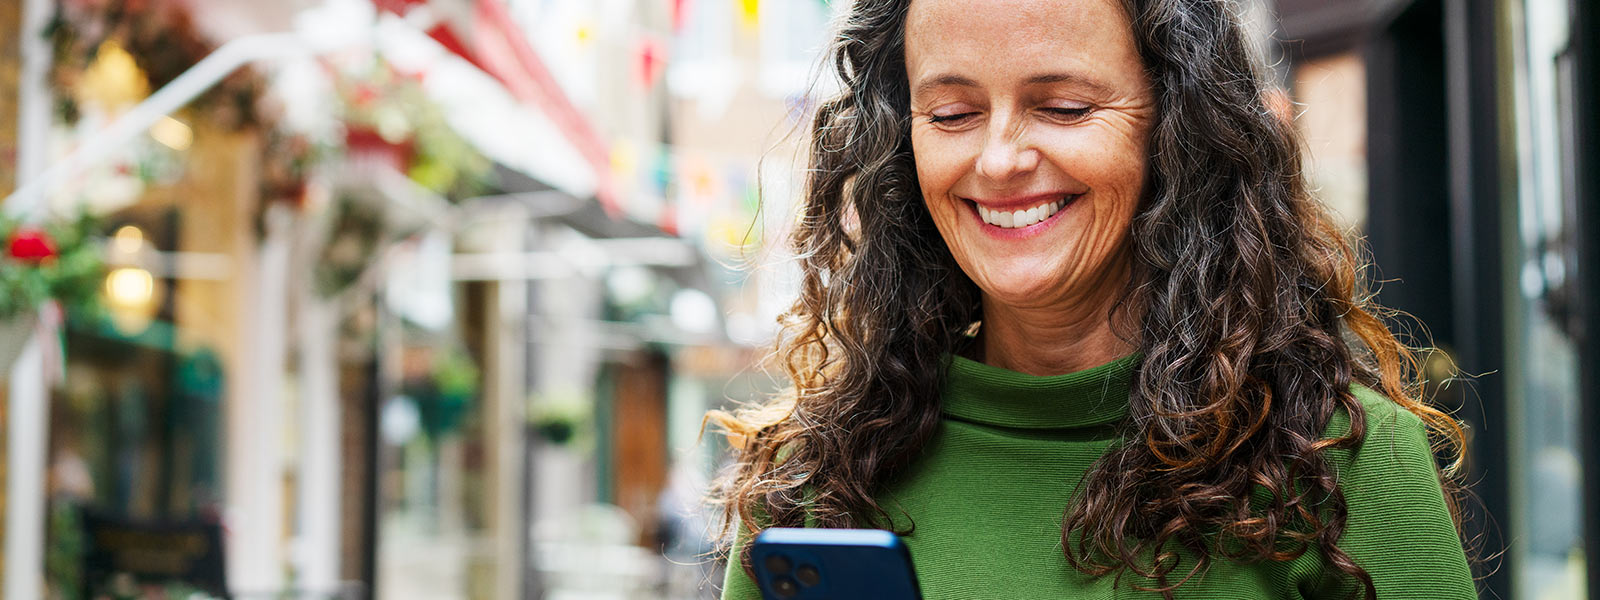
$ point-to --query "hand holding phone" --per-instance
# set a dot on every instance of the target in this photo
(813, 564)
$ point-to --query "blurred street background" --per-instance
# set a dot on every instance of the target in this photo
(426, 299)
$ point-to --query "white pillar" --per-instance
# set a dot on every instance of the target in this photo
(255, 414)
(506, 402)
(33, 106)
(28, 420)
(29, 408)
(317, 534)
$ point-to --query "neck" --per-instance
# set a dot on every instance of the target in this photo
(1053, 339)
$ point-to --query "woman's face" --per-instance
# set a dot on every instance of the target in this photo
(1029, 124)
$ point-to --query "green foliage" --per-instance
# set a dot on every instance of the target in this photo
(72, 276)
(63, 555)
(456, 375)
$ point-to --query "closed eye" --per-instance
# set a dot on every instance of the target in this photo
(955, 118)
(1070, 113)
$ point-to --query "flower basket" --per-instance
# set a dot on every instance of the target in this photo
(368, 145)
(51, 262)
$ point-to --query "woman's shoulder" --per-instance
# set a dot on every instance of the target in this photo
(1400, 527)
(1395, 445)
(1382, 417)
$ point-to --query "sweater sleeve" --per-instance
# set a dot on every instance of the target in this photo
(1399, 528)
(736, 584)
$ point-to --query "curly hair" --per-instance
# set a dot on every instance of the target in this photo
(1251, 318)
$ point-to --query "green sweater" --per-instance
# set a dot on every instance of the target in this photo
(988, 493)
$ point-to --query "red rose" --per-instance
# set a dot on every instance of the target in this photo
(31, 244)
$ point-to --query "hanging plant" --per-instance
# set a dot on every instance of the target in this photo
(353, 240)
(562, 418)
(163, 40)
(446, 395)
(388, 111)
(56, 261)
(286, 164)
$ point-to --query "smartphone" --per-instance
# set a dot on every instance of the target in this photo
(813, 564)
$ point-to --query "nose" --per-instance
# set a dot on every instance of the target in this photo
(1006, 152)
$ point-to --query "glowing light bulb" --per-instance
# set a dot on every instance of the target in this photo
(130, 287)
(127, 240)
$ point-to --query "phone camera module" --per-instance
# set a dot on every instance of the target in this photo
(778, 564)
(785, 587)
(808, 575)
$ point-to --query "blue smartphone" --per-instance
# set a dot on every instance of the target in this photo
(813, 564)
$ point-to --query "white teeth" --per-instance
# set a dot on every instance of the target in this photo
(1021, 218)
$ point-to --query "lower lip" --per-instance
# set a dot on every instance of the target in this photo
(1015, 233)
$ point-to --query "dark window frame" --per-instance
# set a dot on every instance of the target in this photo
(1586, 144)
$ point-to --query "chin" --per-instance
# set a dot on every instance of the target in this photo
(1015, 286)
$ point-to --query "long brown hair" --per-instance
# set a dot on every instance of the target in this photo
(1252, 322)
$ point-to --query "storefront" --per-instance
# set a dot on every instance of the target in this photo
(336, 369)
(1480, 211)
(231, 388)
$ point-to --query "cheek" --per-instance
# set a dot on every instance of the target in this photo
(1118, 184)
(940, 163)
(1121, 183)
(1111, 165)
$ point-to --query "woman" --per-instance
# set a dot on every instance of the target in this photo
(1073, 326)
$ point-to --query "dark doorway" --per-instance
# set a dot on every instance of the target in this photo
(1409, 193)
(1435, 228)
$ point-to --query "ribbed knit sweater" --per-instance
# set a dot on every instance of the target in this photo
(988, 493)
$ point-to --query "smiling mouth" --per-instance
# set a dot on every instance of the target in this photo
(1023, 218)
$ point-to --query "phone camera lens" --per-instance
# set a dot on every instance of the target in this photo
(808, 575)
(778, 564)
(785, 587)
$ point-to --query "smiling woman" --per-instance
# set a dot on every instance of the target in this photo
(1072, 325)
(1032, 166)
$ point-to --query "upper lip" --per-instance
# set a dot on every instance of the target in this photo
(1020, 202)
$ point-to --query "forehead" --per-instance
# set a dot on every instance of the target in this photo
(1004, 39)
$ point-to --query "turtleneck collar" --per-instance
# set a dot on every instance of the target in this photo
(977, 392)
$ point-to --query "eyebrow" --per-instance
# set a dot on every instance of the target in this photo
(952, 79)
